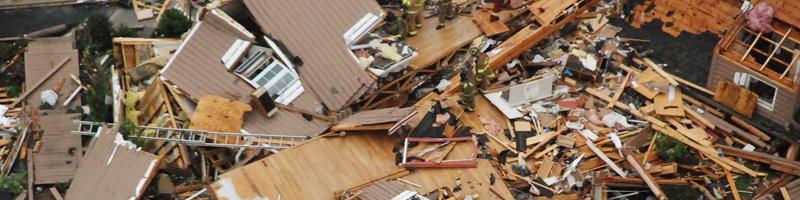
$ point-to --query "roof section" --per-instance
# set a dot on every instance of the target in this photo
(112, 171)
(196, 70)
(58, 158)
(315, 34)
(41, 57)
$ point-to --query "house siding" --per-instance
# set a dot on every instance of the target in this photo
(723, 68)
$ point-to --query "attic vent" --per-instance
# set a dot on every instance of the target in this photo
(234, 53)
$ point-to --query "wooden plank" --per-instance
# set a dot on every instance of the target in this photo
(489, 28)
(620, 89)
(732, 184)
(699, 118)
(750, 128)
(605, 158)
(661, 71)
(56, 194)
(45, 78)
(785, 194)
(527, 38)
(648, 179)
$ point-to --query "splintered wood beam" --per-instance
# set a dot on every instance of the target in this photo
(776, 49)
(648, 179)
(751, 47)
(41, 81)
(732, 184)
(620, 90)
(604, 157)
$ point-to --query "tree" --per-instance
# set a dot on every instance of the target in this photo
(173, 23)
(98, 33)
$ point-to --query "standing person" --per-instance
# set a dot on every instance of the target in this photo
(446, 12)
(468, 90)
(413, 15)
(394, 26)
(484, 71)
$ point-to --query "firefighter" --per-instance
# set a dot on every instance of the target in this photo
(394, 25)
(446, 12)
(413, 14)
(484, 72)
(468, 90)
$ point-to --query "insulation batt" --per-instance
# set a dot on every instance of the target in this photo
(760, 17)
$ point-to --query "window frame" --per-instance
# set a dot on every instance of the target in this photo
(744, 80)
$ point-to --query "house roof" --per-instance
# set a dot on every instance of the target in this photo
(110, 170)
(315, 35)
(57, 160)
(196, 70)
(41, 57)
(323, 166)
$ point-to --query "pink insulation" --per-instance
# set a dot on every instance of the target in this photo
(760, 17)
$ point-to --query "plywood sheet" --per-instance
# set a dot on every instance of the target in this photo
(216, 113)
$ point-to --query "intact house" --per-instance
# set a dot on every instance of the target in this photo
(764, 63)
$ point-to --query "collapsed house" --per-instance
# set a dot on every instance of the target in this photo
(202, 58)
(327, 104)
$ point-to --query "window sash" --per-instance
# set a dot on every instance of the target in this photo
(279, 76)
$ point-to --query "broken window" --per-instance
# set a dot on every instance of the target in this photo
(766, 92)
(260, 67)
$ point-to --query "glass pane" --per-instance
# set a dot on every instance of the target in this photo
(764, 91)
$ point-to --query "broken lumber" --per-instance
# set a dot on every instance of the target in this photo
(775, 162)
(750, 128)
(604, 157)
(648, 179)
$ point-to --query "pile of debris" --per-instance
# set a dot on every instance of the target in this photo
(407, 100)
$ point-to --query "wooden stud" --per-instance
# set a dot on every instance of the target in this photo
(751, 47)
(794, 61)
(775, 50)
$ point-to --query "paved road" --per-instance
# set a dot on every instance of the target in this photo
(19, 21)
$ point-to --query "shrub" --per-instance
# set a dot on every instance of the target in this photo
(671, 150)
(14, 182)
(173, 23)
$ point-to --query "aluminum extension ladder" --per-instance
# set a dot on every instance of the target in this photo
(199, 137)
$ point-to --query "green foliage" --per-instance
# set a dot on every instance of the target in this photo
(13, 90)
(173, 23)
(671, 150)
(742, 183)
(14, 182)
(97, 34)
(95, 97)
(129, 130)
(680, 192)
(125, 31)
